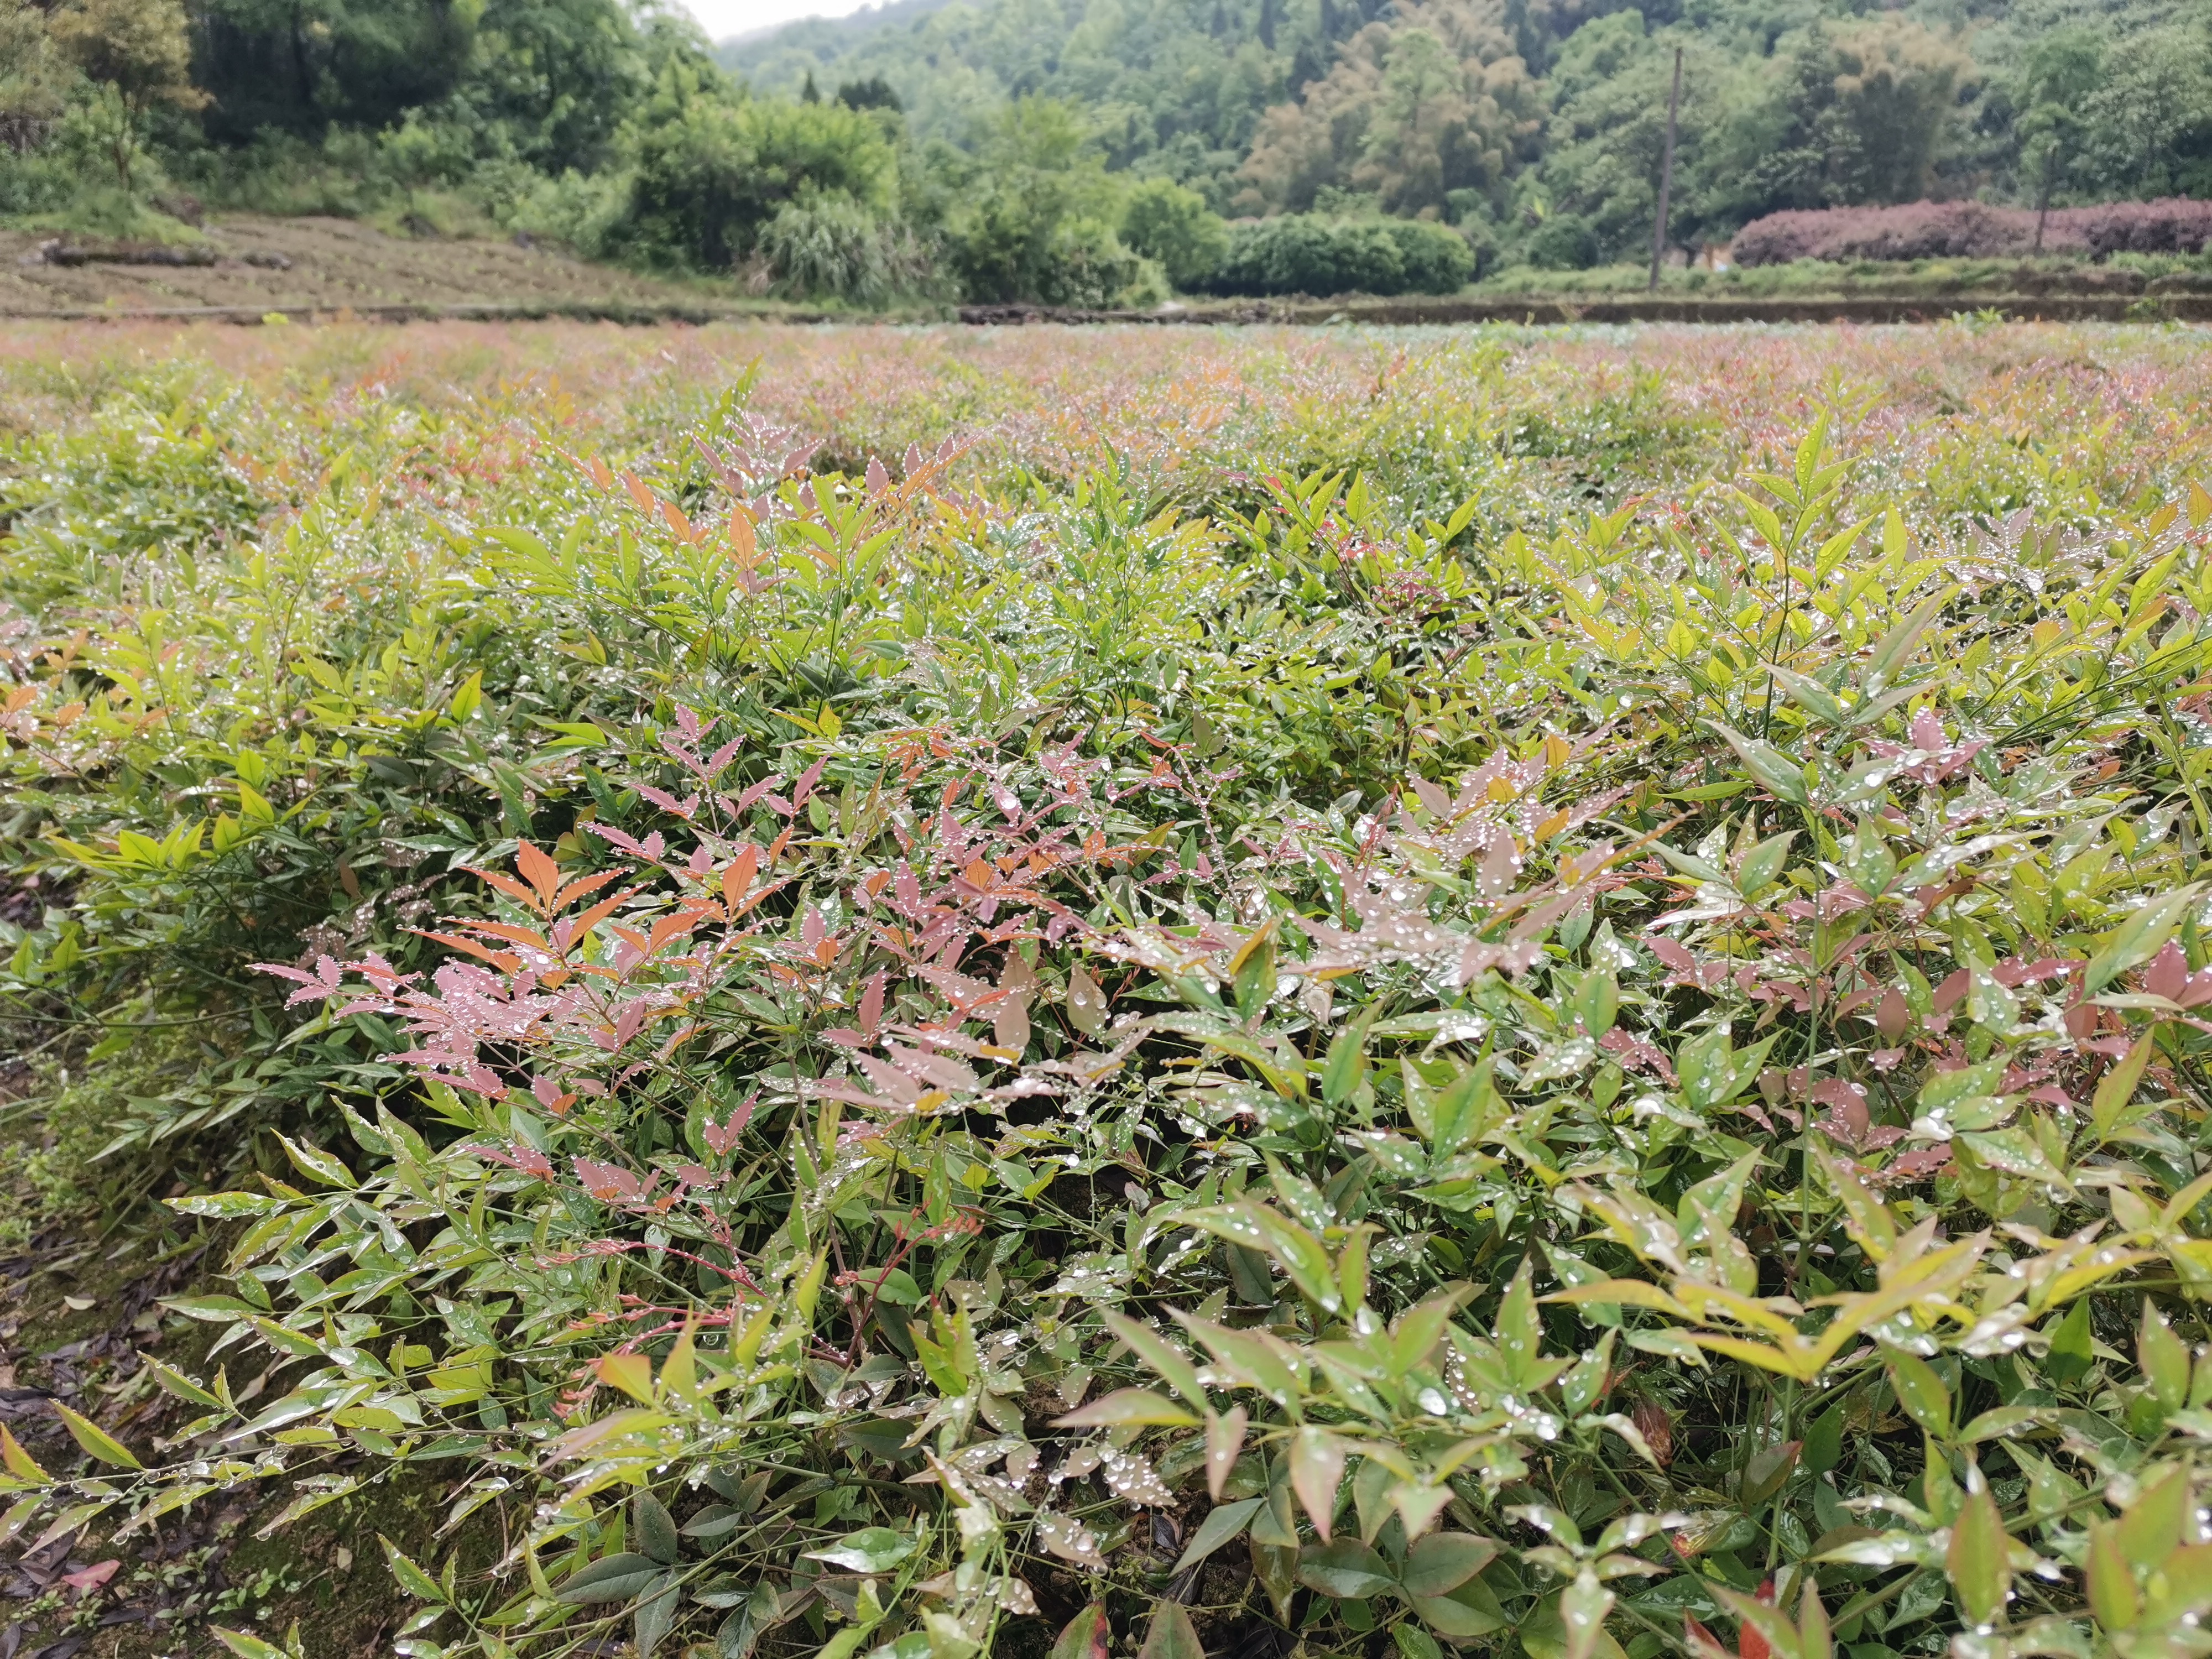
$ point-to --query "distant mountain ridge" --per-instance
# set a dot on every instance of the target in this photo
(758, 54)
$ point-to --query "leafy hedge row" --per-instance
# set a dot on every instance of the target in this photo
(1944, 230)
(1309, 253)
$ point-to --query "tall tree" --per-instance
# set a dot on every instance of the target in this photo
(302, 66)
(1432, 102)
(2062, 73)
(137, 52)
(32, 76)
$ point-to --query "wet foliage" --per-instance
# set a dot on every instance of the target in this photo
(991, 1021)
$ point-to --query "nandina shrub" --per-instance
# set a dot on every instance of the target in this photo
(1722, 1149)
(1941, 230)
(1233, 1067)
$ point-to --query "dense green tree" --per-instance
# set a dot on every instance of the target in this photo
(302, 66)
(2062, 72)
(2146, 126)
(1176, 86)
(1167, 222)
(874, 93)
(562, 74)
(1037, 222)
(1433, 101)
(712, 166)
(138, 54)
(1079, 149)
(34, 76)
(1598, 188)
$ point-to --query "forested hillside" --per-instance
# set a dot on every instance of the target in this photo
(1089, 152)
(1537, 124)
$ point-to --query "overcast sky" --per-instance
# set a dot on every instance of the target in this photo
(724, 18)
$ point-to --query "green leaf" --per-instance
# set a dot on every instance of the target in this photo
(177, 1384)
(1171, 1635)
(1440, 1563)
(19, 1463)
(1124, 1406)
(1768, 1468)
(1224, 1443)
(412, 1579)
(610, 1578)
(2112, 1594)
(317, 1165)
(1417, 1330)
(1222, 1523)
(2138, 939)
(714, 1522)
(1976, 1559)
(655, 1528)
(1764, 862)
(1774, 771)
(2164, 1360)
(1921, 1392)
(2117, 1088)
(1583, 1606)
(2158, 1517)
(468, 699)
(655, 1614)
(2015, 1151)
(898, 1287)
(1809, 695)
(1256, 1226)
(1250, 1357)
(1316, 1473)
(1464, 1106)
(227, 1206)
(870, 1550)
(1579, 1389)
(1086, 1003)
(96, 1440)
(1890, 651)
(247, 1645)
(1469, 1611)
(1824, 1441)
(2070, 1355)
(1520, 1333)
(1346, 1569)
(1346, 1063)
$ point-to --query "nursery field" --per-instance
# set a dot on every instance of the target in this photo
(920, 993)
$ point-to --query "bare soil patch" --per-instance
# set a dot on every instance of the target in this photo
(317, 264)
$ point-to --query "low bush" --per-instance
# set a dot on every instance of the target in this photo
(832, 247)
(709, 171)
(1165, 222)
(1306, 253)
(1564, 241)
(1003, 252)
(1932, 230)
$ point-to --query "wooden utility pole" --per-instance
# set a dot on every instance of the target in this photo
(1665, 176)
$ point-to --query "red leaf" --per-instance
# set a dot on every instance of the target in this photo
(88, 1579)
(540, 872)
